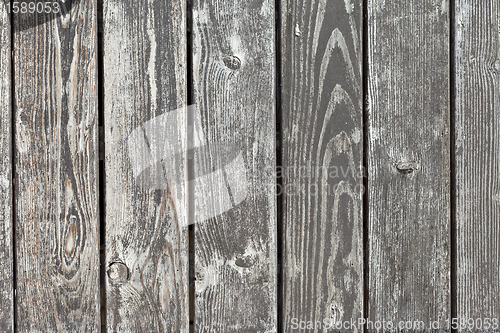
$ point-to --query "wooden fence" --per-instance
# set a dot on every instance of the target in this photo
(249, 165)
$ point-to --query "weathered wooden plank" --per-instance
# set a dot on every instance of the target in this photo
(234, 187)
(145, 120)
(6, 248)
(322, 162)
(56, 163)
(477, 146)
(408, 161)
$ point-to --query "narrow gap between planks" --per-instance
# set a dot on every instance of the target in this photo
(102, 178)
(279, 164)
(366, 258)
(453, 203)
(13, 163)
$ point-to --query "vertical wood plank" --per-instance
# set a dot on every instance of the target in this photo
(234, 185)
(322, 162)
(477, 145)
(146, 223)
(6, 248)
(408, 161)
(56, 160)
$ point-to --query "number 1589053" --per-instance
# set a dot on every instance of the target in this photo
(32, 7)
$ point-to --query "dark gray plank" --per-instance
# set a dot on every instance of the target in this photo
(6, 249)
(477, 146)
(146, 218)
(56, 161)
(408, 161)
(322, 162)
(234, 168)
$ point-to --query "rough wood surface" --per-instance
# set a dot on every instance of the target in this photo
(235, 204)
(146, 229)
(477, 146)
(408, 160)
(322, 162)
(6, 249)
(56, 163)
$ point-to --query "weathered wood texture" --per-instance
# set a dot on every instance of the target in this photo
(56, 156)
(477, 146)
(235, 204)
(146, 228)
(322, 161)
(6, 249)
(408, 160)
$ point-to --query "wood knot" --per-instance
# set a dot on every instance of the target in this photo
(496, 65)
(407, 167)
(71, 238)
(232, 62)
(199, 276)
(244, 261)
(118, 272)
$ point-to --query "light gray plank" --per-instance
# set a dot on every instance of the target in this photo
(56, 163)
(408, 161)
(477, 146)
(322, 170)
(6, 245)
(234, 188)
(146, 220)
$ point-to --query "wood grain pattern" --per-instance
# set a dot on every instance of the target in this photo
(477, 145)
(322, 162)
(235, 230)
(146, 228)
(6, 245)
(409, 160)
(56, 161)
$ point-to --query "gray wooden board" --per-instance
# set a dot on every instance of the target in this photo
(56, 163)
(234, 207)
(408, 161)
(6, 249)
(322, 162)
(477, 144)
(146, 224)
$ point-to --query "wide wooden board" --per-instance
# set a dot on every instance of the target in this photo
(322, 172)
(477, 149)
(234, 211)
(144, 45)
(408, 161)
(56, 163)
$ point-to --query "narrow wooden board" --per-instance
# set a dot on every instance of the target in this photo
(56, 163)
(477, 146)
(408, 161)
(6, 245)
(233, 189)
(322, 98)
(146, 221)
